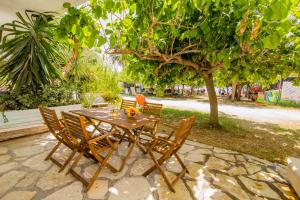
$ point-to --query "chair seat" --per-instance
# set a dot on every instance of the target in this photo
(95, 133)
(147, 129)
(104, 143)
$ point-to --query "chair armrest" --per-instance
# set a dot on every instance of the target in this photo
(165, 140)
(170, 126)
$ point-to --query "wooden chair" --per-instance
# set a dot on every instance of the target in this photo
(152, 109)
(58, 130)
(168, 147)
(127, 104)
(96, 145)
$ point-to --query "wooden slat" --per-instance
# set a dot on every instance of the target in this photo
(127, 103)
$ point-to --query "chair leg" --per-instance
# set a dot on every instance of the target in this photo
(181, 163)
(157, 164)
(101, 166)
(75, 161)
(53, 150)
(127, 156)
(68, 160)
(122, 138)
(160, 161)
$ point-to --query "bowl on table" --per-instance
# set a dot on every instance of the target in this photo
(131, 112)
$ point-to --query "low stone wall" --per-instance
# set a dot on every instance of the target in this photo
(7, 135)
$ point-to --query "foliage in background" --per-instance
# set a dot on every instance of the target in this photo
(145, 72)
(58, 94)
(106, 85)
(29, 53)
(93, 75)
(79, 30)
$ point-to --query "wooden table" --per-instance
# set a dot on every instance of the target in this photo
(121, 120)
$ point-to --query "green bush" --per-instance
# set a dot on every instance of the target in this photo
(49, 95)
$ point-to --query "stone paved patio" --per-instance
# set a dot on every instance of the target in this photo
(214, 174)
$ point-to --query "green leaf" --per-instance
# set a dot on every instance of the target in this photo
(109, 5)
(74, 27)
(71, 42)
(112, 41)
(286, 25)
(86, 31)
(174, 31)
(133, 44)
(278, 9)
(98, 11)
(101, 41)
(271, 41)
(133, 7)
(127, 22)
(108, 31)
(66, 5)
(205, 28)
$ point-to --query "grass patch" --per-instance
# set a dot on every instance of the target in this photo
(265, 141)
(229, 125)
(287, 103)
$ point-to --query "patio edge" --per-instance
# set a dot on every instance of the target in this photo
(13, 134)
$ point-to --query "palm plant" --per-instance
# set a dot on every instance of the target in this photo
(29, 54)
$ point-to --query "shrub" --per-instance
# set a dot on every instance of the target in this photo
(50, 95)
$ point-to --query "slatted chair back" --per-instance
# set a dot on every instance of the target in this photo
(75, 126)
(152, 108)
(59, 131)
(183, 131)
(127, 104)
(51, 120)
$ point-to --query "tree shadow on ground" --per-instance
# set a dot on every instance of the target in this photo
(263, 140)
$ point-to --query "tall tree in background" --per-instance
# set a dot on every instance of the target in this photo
(29, 54)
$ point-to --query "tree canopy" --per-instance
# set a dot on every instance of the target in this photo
(202, 36)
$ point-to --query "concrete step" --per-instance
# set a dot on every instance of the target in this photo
(293, 173)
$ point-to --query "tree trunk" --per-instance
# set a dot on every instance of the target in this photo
(247, 95)
(214, 119)
(182, 90)
(172, 89)
(238, 92)
(73, 59)
(233, 91)
(192, 88)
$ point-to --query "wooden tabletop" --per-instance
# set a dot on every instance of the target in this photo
(121, 120)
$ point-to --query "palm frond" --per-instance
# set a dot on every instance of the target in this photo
(28, 50)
